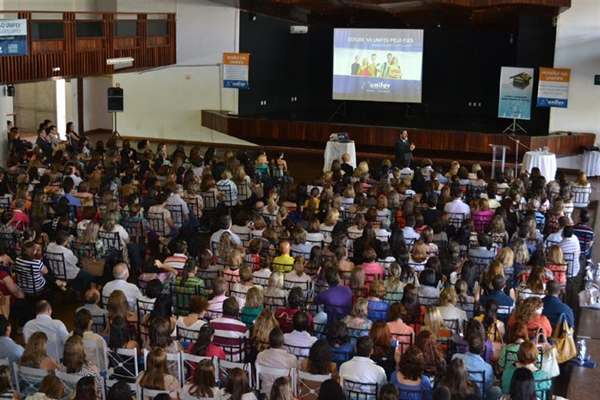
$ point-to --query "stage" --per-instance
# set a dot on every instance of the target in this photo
(442, 146)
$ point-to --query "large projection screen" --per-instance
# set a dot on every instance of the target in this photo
(378, 64)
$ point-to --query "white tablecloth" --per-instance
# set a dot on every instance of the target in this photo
(546, 162)
(335, 151)
(591, 163)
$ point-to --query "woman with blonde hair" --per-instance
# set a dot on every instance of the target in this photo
(90, 237)
(259, 339)
(262, 167)
(357, 283)
(521, 256)
(378, 309)
(557, 264)
(156, 376)
(118, 307)
(34, 355)
(231, 273)
(382, 208)
(275, 293)
(259, 224)
(434, 323)
(448, 309)
(331, 220)
(271, 208)
(497, 230)
(357, 322)
(348, 196)
(243, 183)
(454, 167)
(252, 307)
(506, 258)
(393, 284)
(226, 245)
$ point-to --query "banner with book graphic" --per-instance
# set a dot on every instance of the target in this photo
(516, 90)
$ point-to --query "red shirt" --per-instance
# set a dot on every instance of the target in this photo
(211, 351)
(20, 220)
(285, 317)
(539, 321)
(372, 269)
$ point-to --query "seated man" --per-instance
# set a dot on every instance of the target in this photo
(231, 333)
(285, 316)
(215, 306)
(476, 364)
(8, 348)
(299, 337)
(457, 206)
(80, 279)
(284, 263)
(553, 307)
(361, 368)
(121, 274)
(92, 304)
(53, 328)
(584, 233)
(409, 232)
(498, 284)
(179, 257)
(168, 227)
(175, 199)
(274, 357)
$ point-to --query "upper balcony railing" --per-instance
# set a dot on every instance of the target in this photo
(72, 44)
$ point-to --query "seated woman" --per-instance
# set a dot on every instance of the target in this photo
(34, 355)
(252, 307)
(32, 275)
(156, 376)
(493, 327)
(557, 264)
(435, 364)
(518, 334)
(237, 386)
(186, 285)
(527, 356)
(535, 285)
(298, 277)
(378, 309)
(319, 362)
(474, 326)
(410, 375)
(204, 346)
(458, 383)
(203, 383)
(357, 322)
(246, 283)
(275, 293)
(231, 272)
(384, 354)
(403, 334)
(435, 324)
(74, 361)
(339, 343)
(449, 311)
(118, 336)
(118, 307)
(259, 336)
(482, 215)
(300, 247)
(295, 303)
(190, 324)
(415, 312)
(529, 312)
(393, 285)
(522, 386)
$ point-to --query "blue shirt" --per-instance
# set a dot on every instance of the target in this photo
(500, 297)
(73, 201)
(340, 355)
(474, 364)
(11, 350)
(553, 307)
(378, 310)
(409, 392)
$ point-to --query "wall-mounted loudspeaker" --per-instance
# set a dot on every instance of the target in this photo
(115, 99)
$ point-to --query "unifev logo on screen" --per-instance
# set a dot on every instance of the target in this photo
(378, 65)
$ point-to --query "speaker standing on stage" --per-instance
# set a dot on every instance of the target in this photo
(404, 149)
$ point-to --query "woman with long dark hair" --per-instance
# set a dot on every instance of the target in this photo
(156, 376)
(203, 381)
(237, 386)
(118, 335)
(522, 386)
(86, 389)
(319, 362)
(494, 328)
(204, 345)
(415, 312)
(384, 354)
(457, 381)
(410, 374)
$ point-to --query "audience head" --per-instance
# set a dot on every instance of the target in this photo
(475, 343)
(300, 321)
(364, 346)
(281, 389)
(331, 390)
(276, 338)
(522, 385)
(53, 388)
(412, 363)
(231, 307)
(388, 392)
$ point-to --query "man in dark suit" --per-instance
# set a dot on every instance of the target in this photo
(43, 143)
(404, 149)
(355, 66)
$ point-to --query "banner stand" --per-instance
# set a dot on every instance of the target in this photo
(514, 127)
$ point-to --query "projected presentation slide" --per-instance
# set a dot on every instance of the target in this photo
(378, 64)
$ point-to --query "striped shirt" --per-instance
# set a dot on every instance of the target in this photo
(232, 335)
(29, 275)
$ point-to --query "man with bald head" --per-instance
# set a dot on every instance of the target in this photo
(121, 274)
(92, 299)
(284, 263)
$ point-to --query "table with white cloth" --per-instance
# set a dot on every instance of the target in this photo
(591, 163)
(546, 162)
(335, 151)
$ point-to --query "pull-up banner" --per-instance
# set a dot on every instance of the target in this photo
(13, 37)
(516, 89)
(235, 70)
(553, 88)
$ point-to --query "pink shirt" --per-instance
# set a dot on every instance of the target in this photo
(373, 269)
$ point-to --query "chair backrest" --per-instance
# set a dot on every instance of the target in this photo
(193, 204)
(176, 211)
(183, 395)
(135, 230)
(96, 353)
(143, 393)
(27, 380)
(299, 351)
(355, 334)
(225, 366)
(307, 390)
(275, 372)
(429, 301)
(10, 242)
(453, 325)
(570, 260)
(123, 364)
(187, 335)
(181, 298)
(478, 378)
(156, 222)
(403, 341)
(69, 381)
(234, 348)
(360, 390)
(111, 240)
(5, 203)
(56, 263)
(207, 276)
(546, 387)
(273, 302)
(581, 196)
(481, 263)
(456, 219)
(210, 200)
(189, 363)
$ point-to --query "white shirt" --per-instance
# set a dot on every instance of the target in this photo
(409, 233)
(132, 292)
(571, 246)
(71, 267)
(299, 339)
(76, 180)
(364, 370)
(274, 358)
(457, 206)
(217, 236)
(53, 328)
(123, 235)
